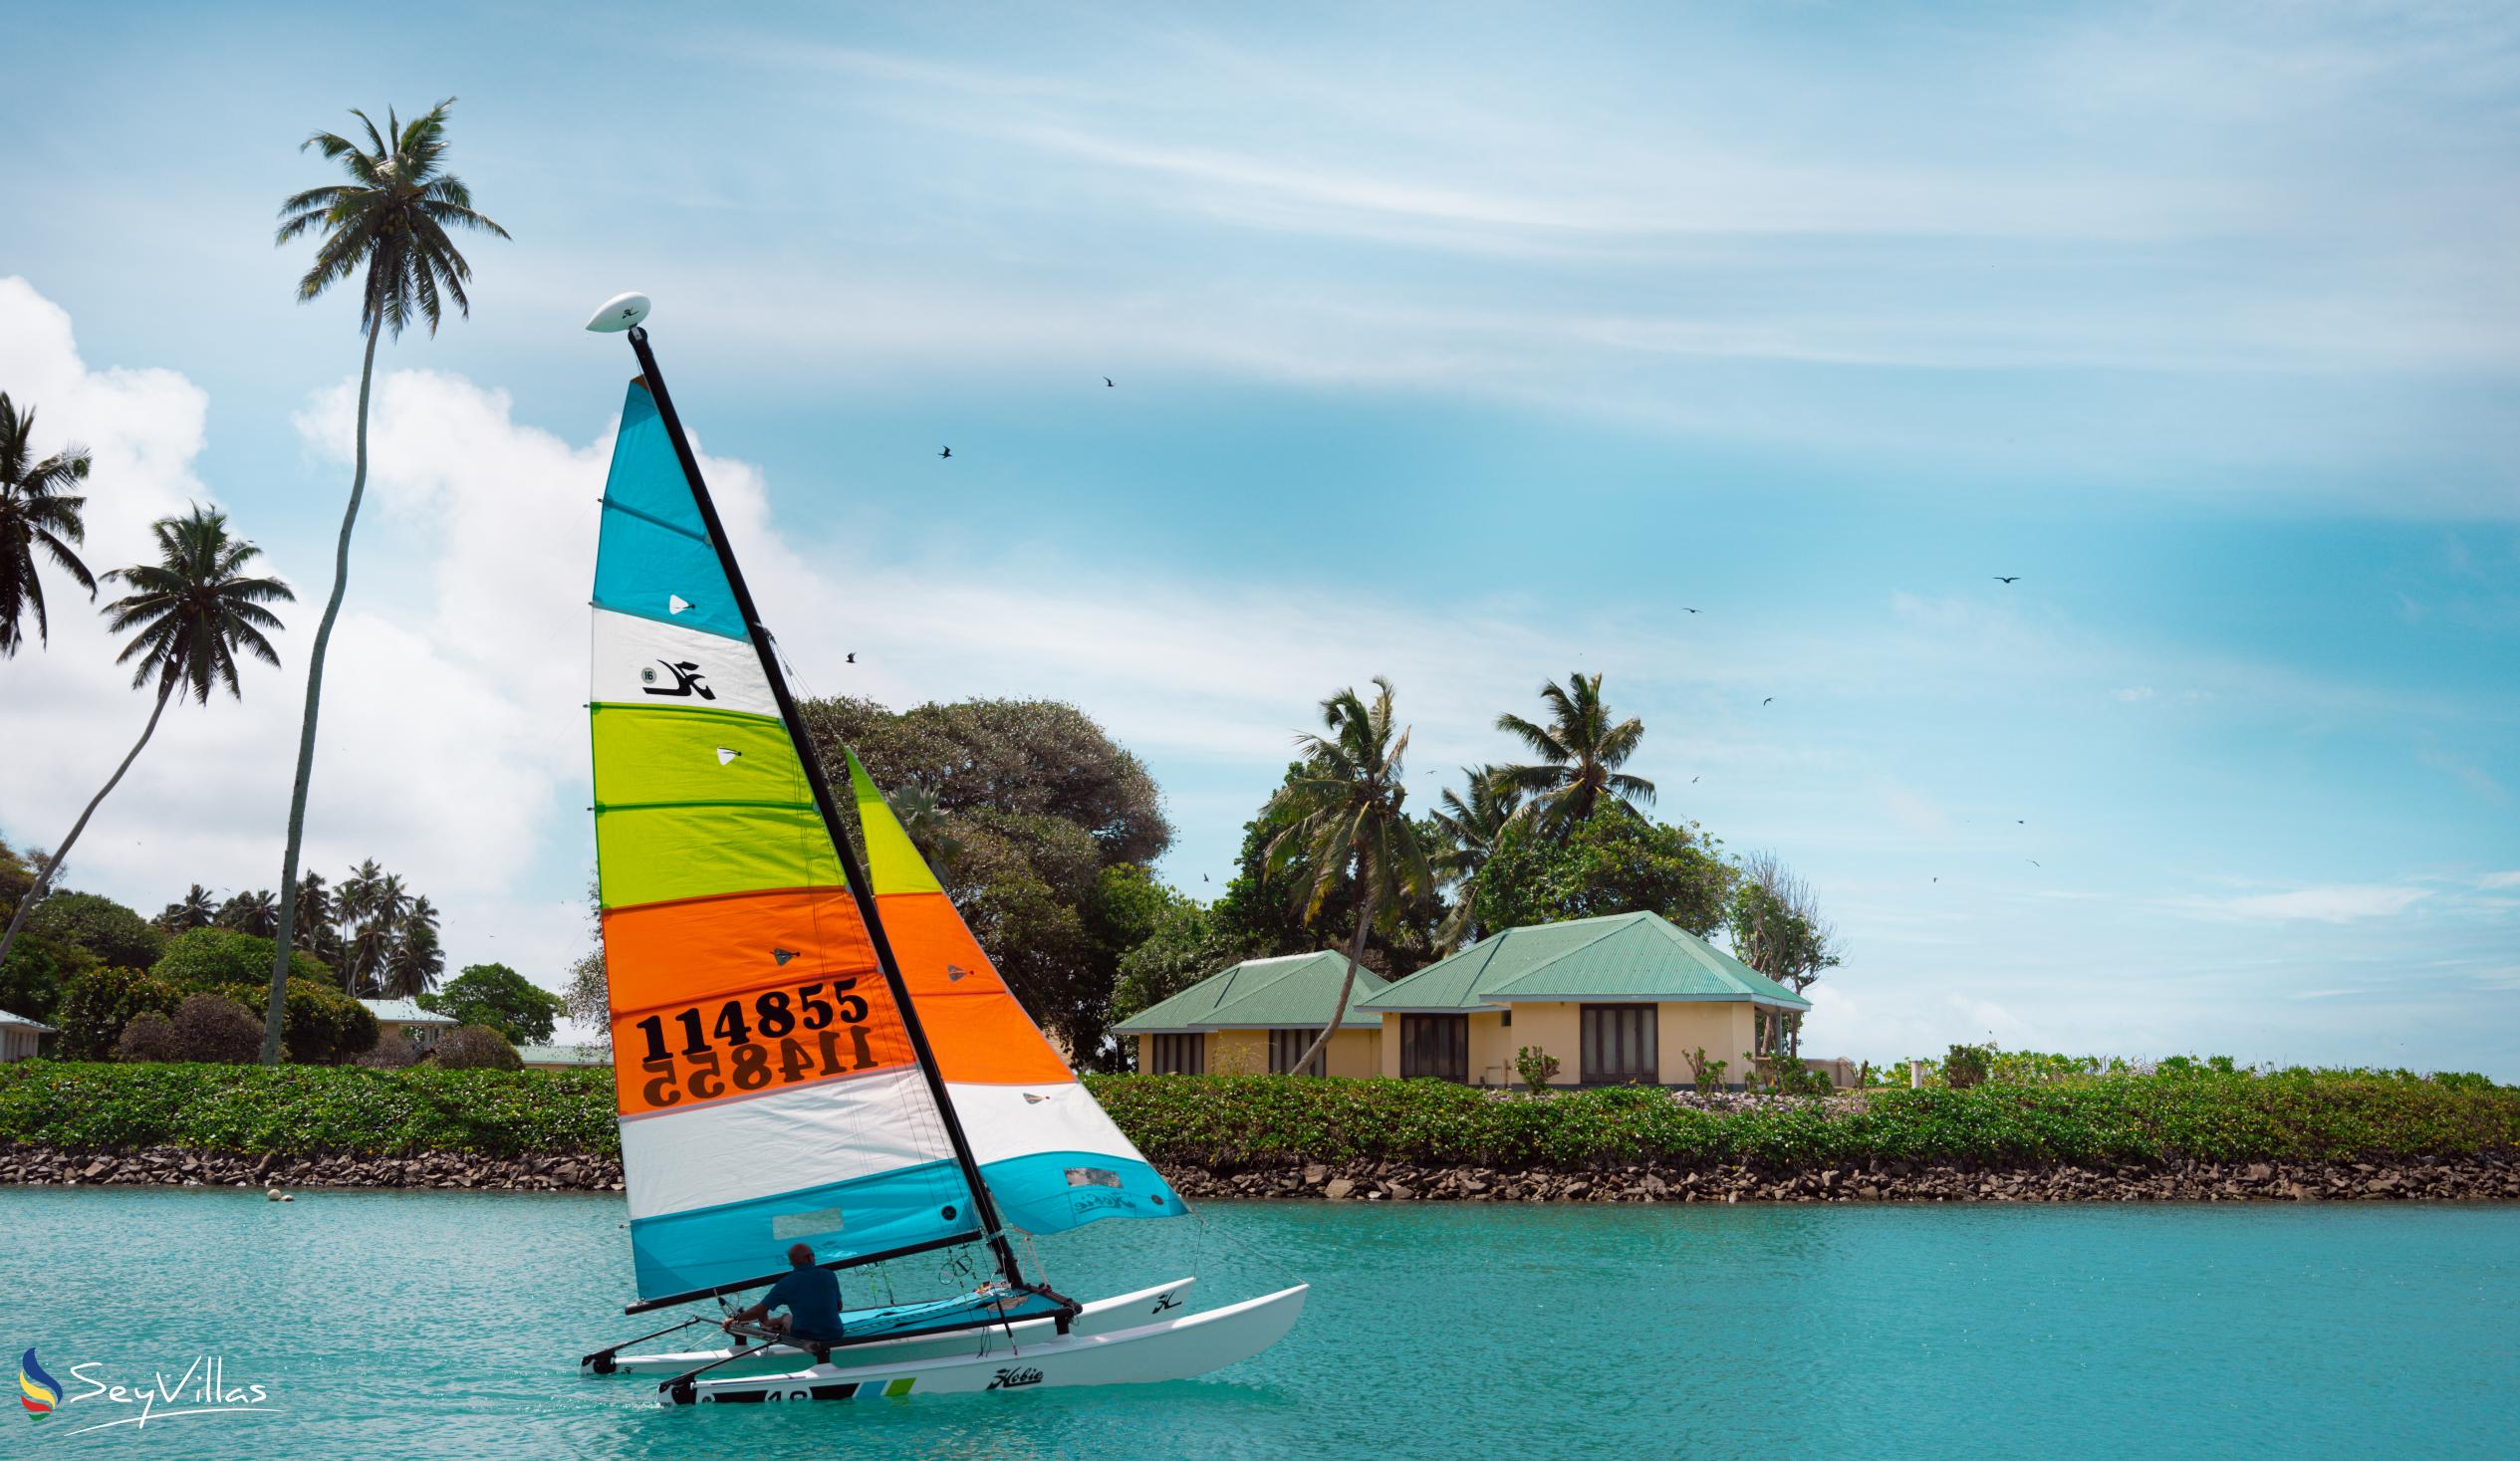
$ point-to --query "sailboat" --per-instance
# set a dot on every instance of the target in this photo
(811, 1051)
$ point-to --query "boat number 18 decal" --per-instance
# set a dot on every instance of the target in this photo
(777, 1038)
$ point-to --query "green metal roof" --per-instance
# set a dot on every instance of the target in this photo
(1286, 993)
(404, 1012)
(1620, 956)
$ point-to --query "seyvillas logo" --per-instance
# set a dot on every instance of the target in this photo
(1008, 1379)
(37, 1391)
(203, 1389)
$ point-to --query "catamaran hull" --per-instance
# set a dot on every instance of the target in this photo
(1102, 1315)
(1169, 1349)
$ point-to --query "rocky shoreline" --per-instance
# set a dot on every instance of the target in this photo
(2490, 1178)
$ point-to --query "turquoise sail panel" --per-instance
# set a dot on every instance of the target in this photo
(1040, 1193)
(654, 558)
(704, 1248)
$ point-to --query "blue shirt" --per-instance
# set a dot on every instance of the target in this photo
(812, 1297)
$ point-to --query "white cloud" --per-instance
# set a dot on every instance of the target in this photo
(2331, 903)
(2500, 879)
(2134, 694)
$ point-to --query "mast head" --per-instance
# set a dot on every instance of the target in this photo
(621, 311)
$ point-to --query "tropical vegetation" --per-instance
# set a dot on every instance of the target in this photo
(1221, 1123)
(38, 511)
(189, 614)
(387, 226)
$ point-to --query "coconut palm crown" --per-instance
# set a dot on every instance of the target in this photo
(37, 509)
(391, 220)
(1579, 752)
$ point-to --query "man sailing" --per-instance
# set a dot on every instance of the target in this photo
(811, 1296)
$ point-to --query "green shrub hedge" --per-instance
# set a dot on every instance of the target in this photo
(1235, 1120)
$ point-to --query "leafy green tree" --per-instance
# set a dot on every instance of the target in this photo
(1260, 917)
(1018, 757)
(1342, 814)
(214, 958)
(110, 932)
(1026, 810)
(498, 997)
(95, 1007)
(389, 225)
(1183, 947)
(37, 509)
(1579, 752)
(313, 921)
(475, 1048)
(1609, 865)
(191, 613)
(31, 979)
(1777, 928)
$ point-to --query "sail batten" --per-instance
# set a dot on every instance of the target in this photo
(768, 1078)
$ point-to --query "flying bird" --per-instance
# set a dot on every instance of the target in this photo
(2033, 861)
(1685, 609)
(2007, 578)
(1692, 781)
(1107, 380)
(853, 656)
(945, 451)
(1770, 700)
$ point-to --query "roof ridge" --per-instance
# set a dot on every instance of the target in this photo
(1562, 953)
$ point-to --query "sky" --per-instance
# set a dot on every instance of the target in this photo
(1729, 352)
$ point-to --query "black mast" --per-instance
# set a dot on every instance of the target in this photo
(859, 887)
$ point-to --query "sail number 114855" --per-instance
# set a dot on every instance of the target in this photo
(778, 1036)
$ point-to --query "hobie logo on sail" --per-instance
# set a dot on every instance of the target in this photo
(688, 679)
(37, 1391)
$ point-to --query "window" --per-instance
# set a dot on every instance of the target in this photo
(1286, 1047)
(1617, 1044)
(1437, 1046)
(1179, 1055)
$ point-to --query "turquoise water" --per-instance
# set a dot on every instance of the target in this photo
(390, 1324)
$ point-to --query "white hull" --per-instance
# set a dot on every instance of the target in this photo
(1102, 1315)
(1167, 1349)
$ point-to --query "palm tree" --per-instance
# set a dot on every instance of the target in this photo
(35, 511)
(313, 916)
(411, 969)
(1343, 820)
(257, 914)
(391, 222)
(197, 909)
(1470, 828)
(916, 809)
(1580, 754)
(193, 608)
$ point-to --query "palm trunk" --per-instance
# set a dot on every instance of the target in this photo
(35, 894)
(1356, 951)
(314, 702)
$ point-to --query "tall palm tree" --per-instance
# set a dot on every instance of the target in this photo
(411, 969)
(1343, 820)
(193, 609)
(35, 511)
(1470, 827)
(257, 914)
(1580, 751)
(197, 909)
(389, 222)
(314, 917)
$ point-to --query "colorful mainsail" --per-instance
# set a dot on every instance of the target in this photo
(1051, 1155)
(769, 1092)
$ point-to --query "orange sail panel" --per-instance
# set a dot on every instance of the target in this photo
(767, 1089)
(1052, 1157)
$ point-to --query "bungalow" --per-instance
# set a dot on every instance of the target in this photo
(1260, 1015)
(401, 1019)
(563, 1056)
(1621, 999)
(20, 1036)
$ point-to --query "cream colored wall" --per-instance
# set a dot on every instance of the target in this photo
(1355, 1053)
(1239, 1052)
(1553, 1028)
(1723, 1027)
(1492, 1047)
